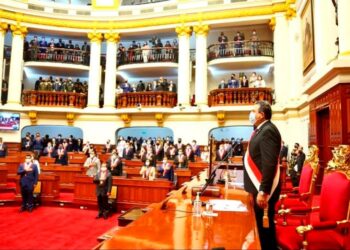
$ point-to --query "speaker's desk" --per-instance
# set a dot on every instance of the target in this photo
(171, 225)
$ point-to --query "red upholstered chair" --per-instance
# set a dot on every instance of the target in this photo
(302, 196)
(331, 231)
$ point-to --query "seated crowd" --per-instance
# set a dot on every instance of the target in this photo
(149, 51)
(242, 81)
(60, 84)
(53, 50)
(157, 85)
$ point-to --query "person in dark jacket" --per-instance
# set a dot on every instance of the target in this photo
(103, 181)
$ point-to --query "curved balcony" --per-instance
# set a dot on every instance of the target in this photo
(160, 99)
(239, 96)
(60, 55)
(54, 99)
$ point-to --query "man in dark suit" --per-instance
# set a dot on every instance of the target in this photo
(261, 171)
(29, 178)
(298, 167)
(283, 152)
(103, 181)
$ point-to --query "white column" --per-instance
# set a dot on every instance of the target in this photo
(16, 65)
(183, 82)
(201, 82)
(3, 30)
(281, 57)
(111, 69)
(95, 69)
(344, 28)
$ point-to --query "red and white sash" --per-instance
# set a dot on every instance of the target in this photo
(255, 174)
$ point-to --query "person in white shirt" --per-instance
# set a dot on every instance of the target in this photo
(260, 82)
(252, 80)
(205, 154)
(148, 171)
(93, 164)
(35, 161)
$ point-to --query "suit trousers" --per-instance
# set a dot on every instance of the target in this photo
(267, 235)
(102, 201)
(27, 197)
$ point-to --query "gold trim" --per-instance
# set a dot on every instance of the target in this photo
(3, 27)
(113, 37)
(95, 36)
(341, 160)
(201, 29)
(272, 23)
(126, 119)
(155, 21)
(159, 118)
(114, 6)
(33, 116)
(220, 115)
(345, 53)
(18, 30)
(70, 118)
(183, 30)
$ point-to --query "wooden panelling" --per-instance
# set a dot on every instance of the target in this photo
(3, 175)
(66, 174)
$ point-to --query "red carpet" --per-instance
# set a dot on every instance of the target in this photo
(51, 228)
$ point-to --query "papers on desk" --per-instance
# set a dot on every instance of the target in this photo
(229, 205)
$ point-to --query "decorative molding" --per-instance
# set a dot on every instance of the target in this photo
(97, 6)
(19, 30)
(272, 23)
(70, 118)
(341, 160)
(95, 36)
(113, 37)
(220, 115)
(140, 23)
(183, 30)
(290, 13)
(33, 116)
(345, 53)
(201, 29)
(3, 27)
(126, 119)
(160, 119)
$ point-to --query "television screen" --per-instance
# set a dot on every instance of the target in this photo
(9, 121)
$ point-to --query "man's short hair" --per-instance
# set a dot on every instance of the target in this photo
(265, 107)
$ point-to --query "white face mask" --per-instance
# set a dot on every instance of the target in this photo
(252, 118)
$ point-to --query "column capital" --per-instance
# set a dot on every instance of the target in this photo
(19, 30)
(201, 29)
(290, 13)
(95, 36)
(3, 27)
(112, 37)
(220, 115)
(70, 118)
(159, 118)
(272, 23)
(183, 30)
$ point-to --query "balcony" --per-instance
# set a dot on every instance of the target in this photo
(54, 99)
(239, 96)
(159, 99)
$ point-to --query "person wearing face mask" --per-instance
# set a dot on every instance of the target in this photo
(148, 171)
(179, 145)
(61, 155)
(103, 181)
(195, 148)
(166, 170)
(181, 160)
(114, 164)
(28, 173)
(261, 171)
(159, 151)
(92, 164)
(254, 43)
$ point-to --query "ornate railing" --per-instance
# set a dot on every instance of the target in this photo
(147, 99)
(239, 49)
(139, 55)
(239, 96)
(54, 99)
(61, 55)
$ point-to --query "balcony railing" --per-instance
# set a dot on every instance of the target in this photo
(54, 99)
(239, 96)
(239, 49)
(147, 99)
(139, 55)
(46, 54)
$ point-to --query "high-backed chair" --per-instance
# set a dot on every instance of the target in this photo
(302, 196)
(331, 231)
(37, 194)
(112, 199)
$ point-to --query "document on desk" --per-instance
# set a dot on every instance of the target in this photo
(229, 205)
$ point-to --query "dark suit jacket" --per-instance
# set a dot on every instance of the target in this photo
(264, 149)
(300, 162)
(128, 155)
(3, 152)
(105, 187)
(28, 179)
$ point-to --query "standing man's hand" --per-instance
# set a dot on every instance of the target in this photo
(108, 194)
(261, 199)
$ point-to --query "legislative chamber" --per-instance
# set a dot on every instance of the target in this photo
(158, 98)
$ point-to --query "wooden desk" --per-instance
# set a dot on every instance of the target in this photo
(183, 175)
(66, 174)
(12, 163)
(76, 158)
(174, 227)
(197, 167)
(3, 175)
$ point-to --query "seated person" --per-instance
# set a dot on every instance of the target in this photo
(166, 170)
(180, 160)
(148, 171)
(108, 147)
(221, 153)
(189, 153)
(92, 164)
(114, 164)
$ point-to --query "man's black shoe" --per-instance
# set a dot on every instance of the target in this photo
(98, 216)
(105, 216)
(30, 209)
(22, 209)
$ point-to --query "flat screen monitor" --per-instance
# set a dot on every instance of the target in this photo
(9, 121)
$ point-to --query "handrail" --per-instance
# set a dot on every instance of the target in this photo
(165, 99)
(61, 55)
(54, 99)
(141, 55)
(239, 96)
(240, 48)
